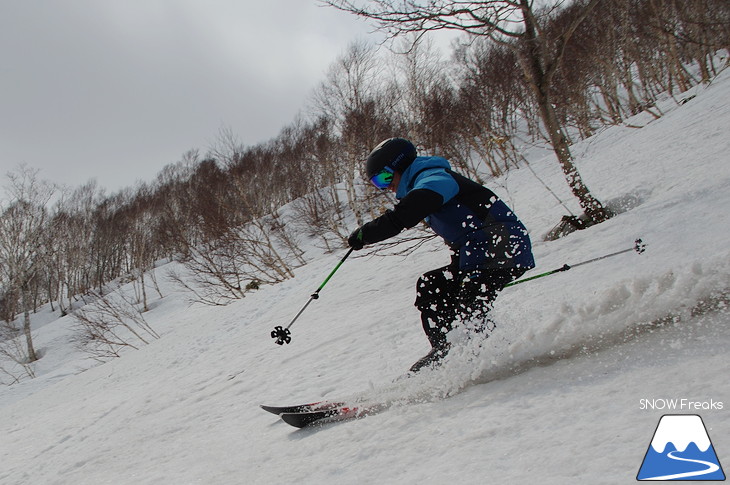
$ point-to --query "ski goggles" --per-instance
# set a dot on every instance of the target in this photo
(382, 179)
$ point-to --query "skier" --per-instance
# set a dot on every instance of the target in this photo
(490, 245)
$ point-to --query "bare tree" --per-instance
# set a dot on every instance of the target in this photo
(23, 229)
(517, 24)
(110, 323)
(70, 266)
(355, 100)
(490, 101)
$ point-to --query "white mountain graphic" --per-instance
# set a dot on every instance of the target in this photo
(680, 430)
(670, 456)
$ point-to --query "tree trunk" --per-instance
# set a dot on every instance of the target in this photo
(145, 307)
(32, 357)
(539, 68)
(592, 206)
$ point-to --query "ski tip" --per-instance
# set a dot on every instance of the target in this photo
(272, 409)
(302, 420)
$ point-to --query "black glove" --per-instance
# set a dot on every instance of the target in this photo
(355, 240)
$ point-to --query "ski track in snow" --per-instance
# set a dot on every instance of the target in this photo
(572, 355)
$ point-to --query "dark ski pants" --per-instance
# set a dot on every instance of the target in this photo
(447, 295)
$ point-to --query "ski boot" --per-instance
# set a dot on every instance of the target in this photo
(432, 359)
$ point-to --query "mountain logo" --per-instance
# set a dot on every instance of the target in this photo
(681, 450)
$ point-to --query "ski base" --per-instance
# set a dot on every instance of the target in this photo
(301, 408)
(313, 414)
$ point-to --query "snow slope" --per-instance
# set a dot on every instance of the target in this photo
(558, 395)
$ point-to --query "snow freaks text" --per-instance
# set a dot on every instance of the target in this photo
(680, 404)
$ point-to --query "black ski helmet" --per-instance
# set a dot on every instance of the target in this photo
(396, 153)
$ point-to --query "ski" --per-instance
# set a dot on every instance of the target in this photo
(300, 408)
(332, 415)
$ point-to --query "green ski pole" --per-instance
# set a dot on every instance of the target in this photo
(639, 247)
(283, 334)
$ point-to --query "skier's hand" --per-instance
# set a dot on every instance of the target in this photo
(355, 240)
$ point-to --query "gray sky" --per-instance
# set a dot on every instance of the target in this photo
(117, 89)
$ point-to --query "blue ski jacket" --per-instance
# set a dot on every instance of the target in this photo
(472, 220)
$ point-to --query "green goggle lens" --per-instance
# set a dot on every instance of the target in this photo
(382, 179)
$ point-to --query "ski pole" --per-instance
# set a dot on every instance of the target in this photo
(282, 334)
(639, 247)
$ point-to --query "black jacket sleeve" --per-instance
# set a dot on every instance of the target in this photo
(412, 209)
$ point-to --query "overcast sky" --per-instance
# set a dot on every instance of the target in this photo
(117, 89)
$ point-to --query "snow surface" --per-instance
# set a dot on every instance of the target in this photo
(558, 395)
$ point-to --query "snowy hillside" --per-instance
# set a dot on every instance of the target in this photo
(558, 395)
